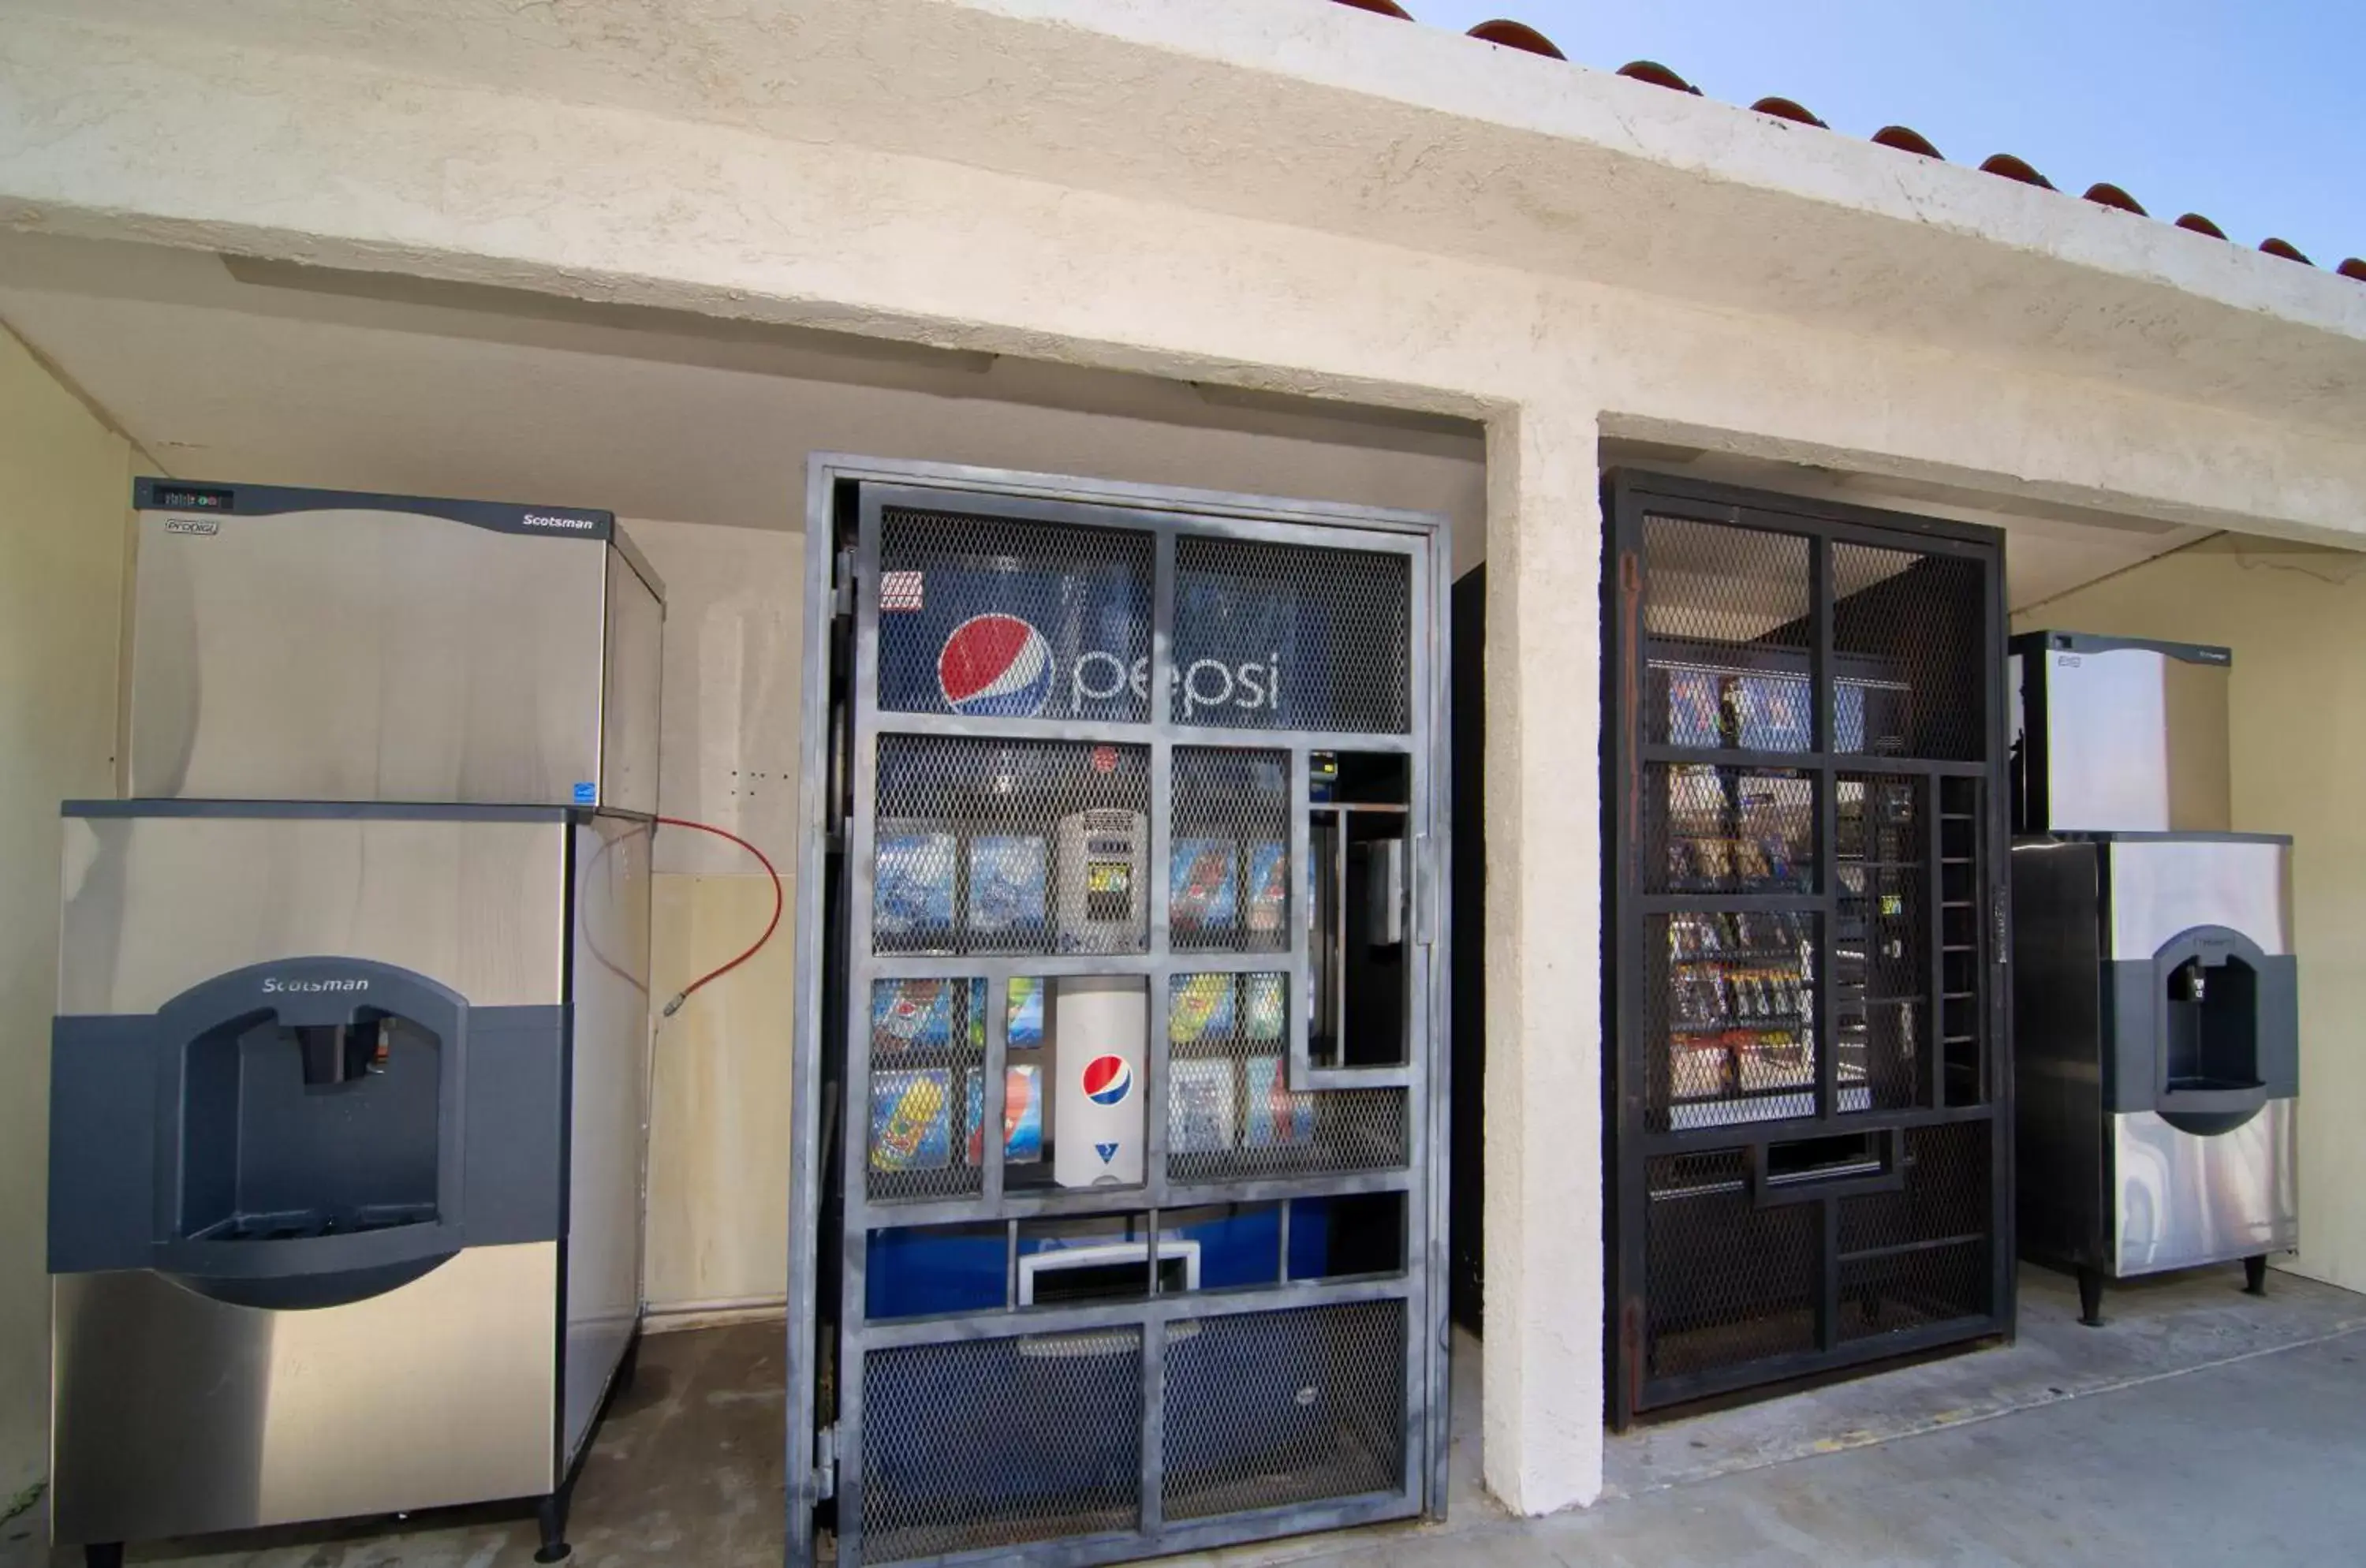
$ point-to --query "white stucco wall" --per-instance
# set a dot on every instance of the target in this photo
(1272, 193)
(65, 493)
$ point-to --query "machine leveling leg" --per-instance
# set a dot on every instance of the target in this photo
(628, 1368)
(103, 1554)
(2090, 1297)
(2255, 1275)
(552, 1513)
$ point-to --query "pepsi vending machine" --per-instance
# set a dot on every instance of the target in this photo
(1139, 794)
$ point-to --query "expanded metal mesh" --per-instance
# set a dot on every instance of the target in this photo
(1232, 1114)
(1732, 1283)
(1292, 636)
(1712, 829)
(1018, 846)
(990, 618)
(1229, 887)
(1270, 1408)
(1912, 1289)
(987, 1443)
(1948, 1195)
(1922, 620)
(1708, 583)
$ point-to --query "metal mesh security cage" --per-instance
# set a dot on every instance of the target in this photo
(1130, 1225)
(1806, 891)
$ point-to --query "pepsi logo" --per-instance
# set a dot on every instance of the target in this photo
(1107, 1079)
(995, 666)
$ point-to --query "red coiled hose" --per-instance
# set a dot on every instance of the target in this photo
(769, 925)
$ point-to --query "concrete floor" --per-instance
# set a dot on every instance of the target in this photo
(2198, 1426)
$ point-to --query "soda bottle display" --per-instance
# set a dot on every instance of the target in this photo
(912, 888)
(911, 1013)
(1203, 1106)
(1022, 1116)
(1009, 878)
(1201, 1009)
(1023, 1017)
(1275, 1117)
(1268, 891)
(911, 1122)
(1203, 894)
(1264, 1005)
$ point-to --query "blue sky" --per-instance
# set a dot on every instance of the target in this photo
(2253, 114)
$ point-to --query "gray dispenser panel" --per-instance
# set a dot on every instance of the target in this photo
(303, 1133)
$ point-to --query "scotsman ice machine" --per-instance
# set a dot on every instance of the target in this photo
(322, 645)
(2157, 1035)
(348, 1094)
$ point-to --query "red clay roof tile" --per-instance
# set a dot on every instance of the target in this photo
(1520, 36)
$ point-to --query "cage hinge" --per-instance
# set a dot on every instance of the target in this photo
(841, 585)
(826, 1464)
(1423, 890)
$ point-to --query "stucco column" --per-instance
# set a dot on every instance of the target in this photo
(1542, 1427)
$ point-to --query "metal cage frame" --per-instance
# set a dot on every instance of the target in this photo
(829, 1336)
(1808, 1214)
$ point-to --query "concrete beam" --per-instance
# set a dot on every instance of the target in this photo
(1330, 120)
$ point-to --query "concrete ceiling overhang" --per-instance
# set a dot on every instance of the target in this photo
(233, 369)
(1306, 113)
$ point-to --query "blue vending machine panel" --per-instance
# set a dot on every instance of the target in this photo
(966, 1269)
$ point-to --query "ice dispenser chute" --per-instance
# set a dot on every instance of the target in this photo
(2210, 993)
(312, 1126)
(297, 1121)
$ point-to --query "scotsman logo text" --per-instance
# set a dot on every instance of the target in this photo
(275, 983)
(996, 666)
(547, 520)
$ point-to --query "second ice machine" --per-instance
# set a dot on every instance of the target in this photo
(2155, 1014)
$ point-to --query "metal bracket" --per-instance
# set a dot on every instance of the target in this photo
(841, 585)
(826, 1464)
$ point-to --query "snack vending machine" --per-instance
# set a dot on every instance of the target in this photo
(1134, 970)
(1806, 1094)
